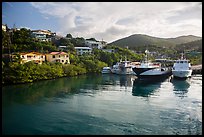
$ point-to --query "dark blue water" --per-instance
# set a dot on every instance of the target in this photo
(103, 104)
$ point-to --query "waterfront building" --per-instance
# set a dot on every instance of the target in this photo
(30, 56)
(82, 50)
(61, 57)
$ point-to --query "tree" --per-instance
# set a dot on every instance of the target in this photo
(5, 42)
(78, 42)
(92, 39)
(69, 36)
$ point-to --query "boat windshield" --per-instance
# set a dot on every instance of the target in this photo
(182, 61)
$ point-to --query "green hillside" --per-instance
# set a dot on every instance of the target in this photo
(138, 40)
(184, 39)
(190, 46)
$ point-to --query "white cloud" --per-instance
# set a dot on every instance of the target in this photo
(110, 21)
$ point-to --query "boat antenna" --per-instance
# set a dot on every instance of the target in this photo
(182, 54)
(146, 55)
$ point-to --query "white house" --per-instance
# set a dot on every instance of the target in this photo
(82, 50)
(4, 27)
(95, 44)
(43, 35)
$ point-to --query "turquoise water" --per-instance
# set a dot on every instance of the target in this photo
(102, 105)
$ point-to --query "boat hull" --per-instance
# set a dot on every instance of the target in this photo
(182, 73)
(106, 70)
(123, 71)
(153, 74)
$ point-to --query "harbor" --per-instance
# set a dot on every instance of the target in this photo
(158, 69)
(103, 105)
(101, 68)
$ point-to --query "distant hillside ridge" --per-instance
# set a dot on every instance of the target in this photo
(190, 46)
(138, 40)
(184, 39)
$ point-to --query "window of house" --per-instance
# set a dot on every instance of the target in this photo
(22, 56)
(28, 56)
(53, 56)
(62, 60)
(41, 56)
(59, 56)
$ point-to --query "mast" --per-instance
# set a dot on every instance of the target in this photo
(182, 56)
(146, 55)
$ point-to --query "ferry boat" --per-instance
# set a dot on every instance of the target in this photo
(123, 67)
(182, 68)
(106, 70)
(151, 71)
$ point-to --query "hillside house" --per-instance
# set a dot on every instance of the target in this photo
(61, 57)
(83, 50)
(95, 44)
(30, 56)
(43, 35)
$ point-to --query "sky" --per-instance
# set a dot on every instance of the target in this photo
(108, 21)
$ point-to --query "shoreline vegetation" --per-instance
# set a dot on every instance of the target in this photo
(16, 73)
(13, 72)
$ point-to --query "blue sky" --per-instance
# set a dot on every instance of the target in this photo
(106, 20)
(23, 14)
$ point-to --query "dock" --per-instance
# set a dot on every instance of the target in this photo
(197, 69)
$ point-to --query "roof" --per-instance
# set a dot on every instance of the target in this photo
(36, 53)
(62, 46)
(41, 31)
(58, 53)
(82, 47)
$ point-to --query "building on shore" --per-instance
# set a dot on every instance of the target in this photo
(61, 57)
(38, 58)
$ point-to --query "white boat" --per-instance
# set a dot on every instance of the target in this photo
(182, 68)
(123, 68)
(151, 71)
(106, 70)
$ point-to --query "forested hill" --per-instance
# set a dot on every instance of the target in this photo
(190, 46)
(184, 39)
(138, 40)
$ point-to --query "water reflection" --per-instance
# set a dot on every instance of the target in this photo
(145, 88)
(122, 80)
(180, 87)
(33, 92)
